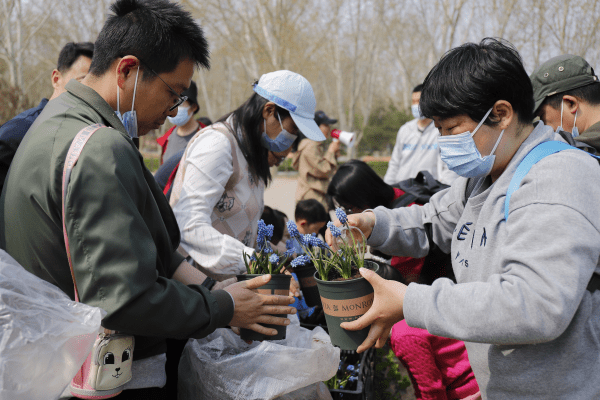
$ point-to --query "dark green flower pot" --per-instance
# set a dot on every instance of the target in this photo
(346, 301)
(278, 285)
(308, 284)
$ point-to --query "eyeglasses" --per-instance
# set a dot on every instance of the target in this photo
(180, 99)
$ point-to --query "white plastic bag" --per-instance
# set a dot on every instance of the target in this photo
(222, 366)
(44, 336)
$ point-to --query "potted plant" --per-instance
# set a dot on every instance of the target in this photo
(266, 261)
(345, 294)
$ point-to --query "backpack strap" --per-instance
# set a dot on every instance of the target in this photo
(539, 152)
(72, 156)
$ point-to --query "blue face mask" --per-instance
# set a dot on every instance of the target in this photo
(129, 118)
(461, 155)
(182, 116)
(416, 111)
(282, 142)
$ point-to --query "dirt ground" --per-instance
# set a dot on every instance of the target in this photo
(280, 194)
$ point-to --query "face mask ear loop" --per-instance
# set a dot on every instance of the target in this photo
(482, 121)
(280, 121)
(134, 88)
(562, 103)
(497, 142)
(118, 101)
(575, 122)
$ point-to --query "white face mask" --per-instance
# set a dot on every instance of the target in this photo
(129, 118)
(575, 131)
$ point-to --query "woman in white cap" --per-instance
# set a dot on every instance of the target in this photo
(218, 191)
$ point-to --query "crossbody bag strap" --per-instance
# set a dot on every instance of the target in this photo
(72, 156)
(536, 154)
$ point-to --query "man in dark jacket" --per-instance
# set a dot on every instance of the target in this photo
(123, 235)
(73, 63)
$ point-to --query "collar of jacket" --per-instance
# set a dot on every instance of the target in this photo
(591, 136)
(94, 100)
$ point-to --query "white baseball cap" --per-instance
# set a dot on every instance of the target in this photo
(292, 92)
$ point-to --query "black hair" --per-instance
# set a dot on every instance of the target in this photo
(275, 218)
(248, 118)
(158, 32)
(589, 94)
(418, 88)
(310, 210)
(356, 184)
(71, 52)
(192, 95)
(471, 78)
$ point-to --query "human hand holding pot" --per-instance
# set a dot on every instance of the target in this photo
(364, 221)
(386, 310)
(253, 309)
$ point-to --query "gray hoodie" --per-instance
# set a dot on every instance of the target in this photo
(531, 328)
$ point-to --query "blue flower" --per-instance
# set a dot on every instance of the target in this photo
(353, 379)
(267, 249)
(314, 241)
(269, 231)
(292, 229)
(289, 244)
(288, 253)
(341, 215)
(252, 257)
(350, 368)
(335, 231)
(274, 258)
(300, 260)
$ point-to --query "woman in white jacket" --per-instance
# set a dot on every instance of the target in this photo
(526, 302)
(218, 192)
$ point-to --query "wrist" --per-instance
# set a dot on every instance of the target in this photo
(209, 283)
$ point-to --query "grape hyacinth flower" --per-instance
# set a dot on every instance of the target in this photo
(274, 258)
(335, 231)
(289, 244)
(292, 229)
(288, 253)
(300, 260)
(341, 215)
(269, 231)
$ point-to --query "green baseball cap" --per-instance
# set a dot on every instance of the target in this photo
(560, 74)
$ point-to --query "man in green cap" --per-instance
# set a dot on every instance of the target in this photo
(567, 97)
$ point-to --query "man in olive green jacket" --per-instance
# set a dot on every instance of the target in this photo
(122, 233)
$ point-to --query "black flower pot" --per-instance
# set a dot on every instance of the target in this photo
(278, 285)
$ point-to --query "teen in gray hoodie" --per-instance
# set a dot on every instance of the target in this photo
(521, 304)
